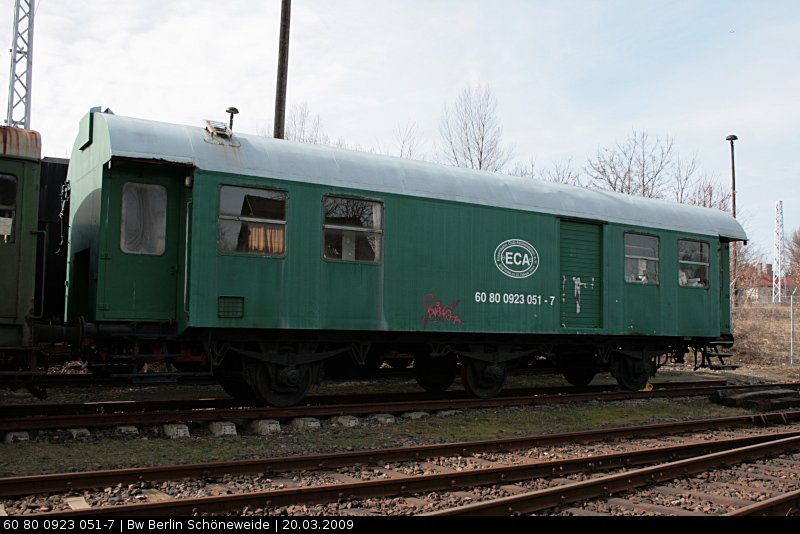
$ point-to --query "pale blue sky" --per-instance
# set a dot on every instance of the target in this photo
(569, 76)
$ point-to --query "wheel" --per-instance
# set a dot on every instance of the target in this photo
(282, 386)
(632, 373)
(435, 375)
(483, 379)
(578, 376)
(231, 376)
(238, 388)
(578, 367)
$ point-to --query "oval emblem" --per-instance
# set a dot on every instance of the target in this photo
(516, 258)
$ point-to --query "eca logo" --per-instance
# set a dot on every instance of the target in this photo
(516, 258)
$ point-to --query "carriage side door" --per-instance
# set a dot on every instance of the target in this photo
(581, 248)
(10, 197)
(139, 264)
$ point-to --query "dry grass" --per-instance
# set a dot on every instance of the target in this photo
(762, 334)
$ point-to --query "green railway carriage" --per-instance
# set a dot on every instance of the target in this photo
(271, 258)
(31, 267)
(19, 196)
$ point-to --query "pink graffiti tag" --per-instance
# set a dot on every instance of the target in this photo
(438, 314)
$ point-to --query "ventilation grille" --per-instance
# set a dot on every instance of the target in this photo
(218, 128)
(230, 307)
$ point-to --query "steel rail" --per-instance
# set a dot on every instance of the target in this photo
(437, 482)
(30, 410)
(607, 485)
(104, 419)
(786, 504)
(11, 486)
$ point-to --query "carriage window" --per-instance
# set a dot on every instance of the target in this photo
(693, 263)
(143, 229)
(8, 207)
(252, 221)
(641, 259)
(353, 229)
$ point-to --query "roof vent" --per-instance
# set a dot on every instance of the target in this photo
(217, 128)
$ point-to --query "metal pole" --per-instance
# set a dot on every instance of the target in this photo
(791, 327)
(733, 138)
(734, 273)
(283, 71)
(21, 75)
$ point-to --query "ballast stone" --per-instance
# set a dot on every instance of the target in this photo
(348, 421)
(78, 433)
(414, 416)
(174, 431)
(447, 413)
(264, 427)
(383, 418)
(305, 423)
(222, 428)
(13, 437)
(126, 431)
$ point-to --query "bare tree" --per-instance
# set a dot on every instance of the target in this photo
(746, 275)
(407, 141)
(524, 170)
(637, 166)
(683, 183)
(793, 246)
(704, 190)
(303, 127)
(561, 172)
(471, 133)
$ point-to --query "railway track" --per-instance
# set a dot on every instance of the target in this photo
(539, 474)
(685, 494)
(28, 410)
(87, 379)
(111, 414)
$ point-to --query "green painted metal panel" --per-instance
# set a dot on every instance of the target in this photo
(18, 246)
(439, 273)
(12, 200)
(581, 254)
(698, 307)
(725, 323)
(138, 261)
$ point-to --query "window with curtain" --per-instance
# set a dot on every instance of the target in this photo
(353, 229)
(641, 259)
(252, 221)
(8, 207)
(143, 226)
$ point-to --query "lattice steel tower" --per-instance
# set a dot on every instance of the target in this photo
(778, 256)
(19, 84)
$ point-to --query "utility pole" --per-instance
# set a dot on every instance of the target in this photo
(283, 71)
(734, 245)
(19, 85)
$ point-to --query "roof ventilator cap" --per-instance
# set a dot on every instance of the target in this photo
(219, 129)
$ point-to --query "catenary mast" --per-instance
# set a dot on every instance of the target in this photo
(778, 259)
(19, 85)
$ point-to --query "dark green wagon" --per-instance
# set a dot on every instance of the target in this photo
(272, 260)
(19, 198)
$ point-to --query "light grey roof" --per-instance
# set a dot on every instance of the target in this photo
(271, 158)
